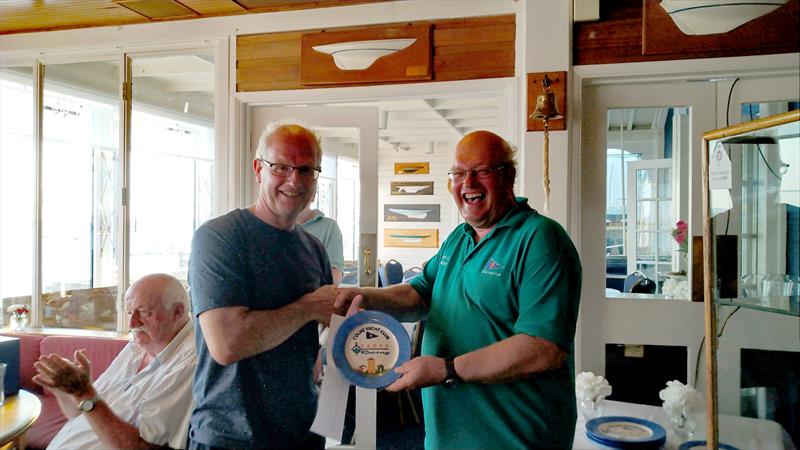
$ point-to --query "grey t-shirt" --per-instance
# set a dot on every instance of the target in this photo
(267, 400)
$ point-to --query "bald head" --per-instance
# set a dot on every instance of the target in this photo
(157, 308)
(165, 289)
(500, 151)
(482, 179)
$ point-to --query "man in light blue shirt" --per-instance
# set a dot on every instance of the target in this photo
(328, 232)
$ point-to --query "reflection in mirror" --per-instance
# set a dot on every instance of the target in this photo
(762, 208)
(647, 163)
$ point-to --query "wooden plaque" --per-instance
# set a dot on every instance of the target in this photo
(411, 237)
(412, 168)
(411, 213)
(411, 188)
(412, 63)
(776, 32)
(558, 85)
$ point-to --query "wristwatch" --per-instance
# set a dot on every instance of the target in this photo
(88, 404)
(452, 379)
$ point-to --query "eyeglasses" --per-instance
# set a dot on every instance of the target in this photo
(286, 170)
(461, 175)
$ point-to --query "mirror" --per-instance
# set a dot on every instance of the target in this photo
(647, 164)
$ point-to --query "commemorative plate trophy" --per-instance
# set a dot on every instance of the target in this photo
(362, 350)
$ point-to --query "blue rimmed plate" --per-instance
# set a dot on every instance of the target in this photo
(626, 432)
(368, 346)
(701, 445)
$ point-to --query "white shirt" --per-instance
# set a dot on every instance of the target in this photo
(157, 400)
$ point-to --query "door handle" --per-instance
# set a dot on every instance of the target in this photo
(367, 267)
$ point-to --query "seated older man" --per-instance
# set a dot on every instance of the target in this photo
(144, 399)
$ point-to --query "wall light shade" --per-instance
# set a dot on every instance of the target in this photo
(359, 55)
(698, 17)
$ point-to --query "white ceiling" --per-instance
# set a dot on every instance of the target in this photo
(428, 124)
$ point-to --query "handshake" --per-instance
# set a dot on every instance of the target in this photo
(329, 300)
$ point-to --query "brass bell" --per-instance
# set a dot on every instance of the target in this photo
(546, 108)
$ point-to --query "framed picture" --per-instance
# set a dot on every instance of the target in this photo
(411, 213)
(409, 168)
(411, 237)
(411, 188)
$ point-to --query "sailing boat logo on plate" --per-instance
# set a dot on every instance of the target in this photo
(373, 349)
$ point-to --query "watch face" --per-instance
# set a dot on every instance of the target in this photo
(86, 405)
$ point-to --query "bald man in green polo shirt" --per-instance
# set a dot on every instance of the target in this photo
(501, 298)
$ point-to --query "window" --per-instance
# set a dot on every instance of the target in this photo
(17, 187)
(348, 205)
(616, 216)
(80, 175)
(88, 208)
(172, 160)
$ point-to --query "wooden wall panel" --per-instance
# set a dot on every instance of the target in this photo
(412, 63)
(772, 33)
(618, 37)
(471, 48)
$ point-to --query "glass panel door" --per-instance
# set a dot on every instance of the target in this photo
(80, 178)
(172, 159)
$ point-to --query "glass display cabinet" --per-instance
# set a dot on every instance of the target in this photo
(751, 231)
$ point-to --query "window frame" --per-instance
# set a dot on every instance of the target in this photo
(221, 176)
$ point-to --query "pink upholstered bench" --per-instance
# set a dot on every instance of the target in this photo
(101, 351)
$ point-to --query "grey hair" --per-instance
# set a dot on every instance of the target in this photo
(170, 290)
(175, 293)
(509, 158)
(273, 127)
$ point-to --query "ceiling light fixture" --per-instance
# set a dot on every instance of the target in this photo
(360, 55)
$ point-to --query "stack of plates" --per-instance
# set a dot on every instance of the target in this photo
(626, 432)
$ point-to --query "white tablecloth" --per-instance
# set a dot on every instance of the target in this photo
(743, 433)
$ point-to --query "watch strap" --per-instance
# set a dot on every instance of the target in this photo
(452, 377)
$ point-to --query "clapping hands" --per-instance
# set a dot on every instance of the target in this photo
(72, 377)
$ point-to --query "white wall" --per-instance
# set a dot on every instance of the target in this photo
(546, 44)
(440, 162)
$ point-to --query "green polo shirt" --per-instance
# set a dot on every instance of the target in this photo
(523, 277)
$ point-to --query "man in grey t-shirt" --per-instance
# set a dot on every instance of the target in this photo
(259, 287)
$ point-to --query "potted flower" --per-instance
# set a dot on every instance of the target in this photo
(591, 390)
(681, 236)
(19, 316)
(681, 402)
